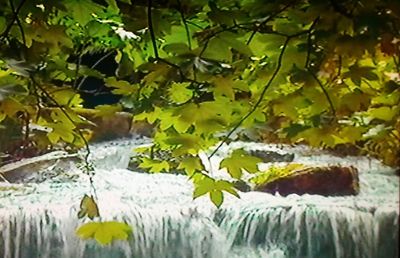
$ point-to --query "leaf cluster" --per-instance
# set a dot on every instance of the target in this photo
(325, 73)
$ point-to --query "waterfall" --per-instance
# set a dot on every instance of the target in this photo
(39, 220)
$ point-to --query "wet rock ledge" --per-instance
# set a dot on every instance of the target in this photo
(326, 181)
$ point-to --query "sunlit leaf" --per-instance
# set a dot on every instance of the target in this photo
(191, 165)
(154, 166)
(217, 197)
(383, 113)
(104, 232)
(179, 93)
(203, 186)
(239, 160)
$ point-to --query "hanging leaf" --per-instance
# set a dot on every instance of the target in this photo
(104, 232)
(217, 197)
(88, 208)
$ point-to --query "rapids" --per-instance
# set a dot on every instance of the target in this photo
(39, 220)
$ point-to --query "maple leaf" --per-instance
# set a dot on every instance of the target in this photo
(88, 208)
(104, 232)
(154, 166)
(179, 93)
(191, 165)
(238, 161)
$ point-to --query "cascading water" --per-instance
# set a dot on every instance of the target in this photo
(39, 220)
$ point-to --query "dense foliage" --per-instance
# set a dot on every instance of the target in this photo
(325, 73)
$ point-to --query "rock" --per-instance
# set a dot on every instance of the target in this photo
(106, 127)
(242, 186)
(327, 181)
(117, 125)
(39, 168)
(272, 156)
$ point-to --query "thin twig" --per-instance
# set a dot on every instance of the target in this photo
(185, 24)
(251, 37)
(309, 42)
(15, 17)
(15, 12)
(328, 98)
(194, 24)
(396, 64)
(66, 114)
(254, 108)
(151, 29)
(92, 67)
(78, 65)
(269, 18)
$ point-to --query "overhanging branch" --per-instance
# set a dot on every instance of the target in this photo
(254, 108)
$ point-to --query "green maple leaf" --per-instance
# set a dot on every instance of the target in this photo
(384, 113)
(179, 93)
(83, 10)
(121, 87)
(154, 166)
(191, 165)
(203, 186)
(223, 87)
(238, 161)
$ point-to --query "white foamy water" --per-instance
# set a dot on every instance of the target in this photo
(39, 220)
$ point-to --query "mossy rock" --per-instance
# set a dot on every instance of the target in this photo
(301, 179)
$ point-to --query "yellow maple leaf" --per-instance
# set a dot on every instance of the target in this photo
(104, 232)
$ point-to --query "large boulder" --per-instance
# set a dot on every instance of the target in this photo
(327, 181)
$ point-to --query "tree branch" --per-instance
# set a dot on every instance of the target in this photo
(66, 114)
(15, 12)
(92, 67)
(269, 18)
(15, 17)
(254, 108)
(151, 29)
(185, 24)
(309, 42)
(328, 98)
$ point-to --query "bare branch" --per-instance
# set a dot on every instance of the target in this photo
(254, 108)
(15, 12)
(151, 29)
(92, 67)
(48, 95)
(309, 42)
(269, 18)
(185, 24)
(328, 98)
